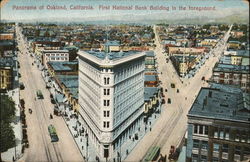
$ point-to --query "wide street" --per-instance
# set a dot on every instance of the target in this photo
(171, 126)
(40, 146)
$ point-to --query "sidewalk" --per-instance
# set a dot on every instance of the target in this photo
(15, 152)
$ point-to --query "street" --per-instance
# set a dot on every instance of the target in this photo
(40, 146)
(170, 128)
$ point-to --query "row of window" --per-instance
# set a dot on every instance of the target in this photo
(57, 58)
(200, 129)
(106, 80)
(106, 113)
(66, 54)
(235, 135)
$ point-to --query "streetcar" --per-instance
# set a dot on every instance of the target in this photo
(52, 133)
(39, 94)
(153, 153)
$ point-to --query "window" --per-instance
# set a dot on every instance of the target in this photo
(104, 102)
(206, 130)
(200, 129)
(225, 148)
(237, 150)
(104, 92)
(215, 132)
(204, 145)
(106, 113)
(107, 102)
(104, 124)
(107, 80)
(216, 147)
(107, 124)
(196, 143)
(195, 128)
(108, 91)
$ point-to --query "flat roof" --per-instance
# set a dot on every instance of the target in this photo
(71, 82)
(62, 66)
(231, 68)
(7, 62)
(149, 92)
(110, 58)
(150, 78)
(221, 102)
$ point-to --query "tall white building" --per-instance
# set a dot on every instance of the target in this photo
(111, 97)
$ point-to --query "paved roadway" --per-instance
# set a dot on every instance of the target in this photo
(41, 148)
(171, 126)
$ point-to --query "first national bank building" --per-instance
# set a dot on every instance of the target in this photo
(111, 98)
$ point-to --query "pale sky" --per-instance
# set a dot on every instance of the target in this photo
(223, 7)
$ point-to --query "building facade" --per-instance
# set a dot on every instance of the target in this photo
(111, 98)
(54, 56)
(232, 74)
(219, 126)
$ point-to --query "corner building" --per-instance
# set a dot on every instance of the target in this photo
(111, 98)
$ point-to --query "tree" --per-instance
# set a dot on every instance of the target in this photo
(7, 111)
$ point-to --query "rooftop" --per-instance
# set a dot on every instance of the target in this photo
(149, 92)
(150, 54)
(112, 43)
(150, 78)
(7, 62)
(71, 82)
(222, 102)
(63, 66)
(110, 58)
(231, 68)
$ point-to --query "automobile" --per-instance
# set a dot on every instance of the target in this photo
(203, 78)
(21, 85)
(166, 90)
(169, 100)
(172, 85)
(177, 91)
(163, 101)
(53, 101)
(19, 75)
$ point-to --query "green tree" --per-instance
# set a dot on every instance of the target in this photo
(7, 111)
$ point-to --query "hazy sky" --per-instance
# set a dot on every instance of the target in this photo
(223, 7)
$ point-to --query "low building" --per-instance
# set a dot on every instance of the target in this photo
(62, 68)
(151, 99)
(219, 126)
(54, 56)
(151, 81)
(150, 61)
(232, 74)
(69, 86)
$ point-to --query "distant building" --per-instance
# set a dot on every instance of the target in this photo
(151, 81)
(111, 98)
(111, 46)
(54, 56)
(219, 126)
(6, 36)
(232, 74)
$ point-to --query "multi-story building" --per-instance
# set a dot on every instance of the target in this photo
(150, 61)
(232, 74)
(219, 126)
(111, 98)
(7, 68)
(54, 56)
